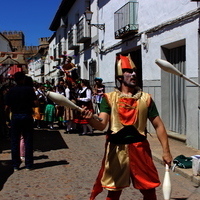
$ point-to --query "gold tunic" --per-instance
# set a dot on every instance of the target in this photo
(139, 108)
(116, 175)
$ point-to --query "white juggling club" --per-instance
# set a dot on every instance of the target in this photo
(166, 187)
(63, 101)
(168, 67)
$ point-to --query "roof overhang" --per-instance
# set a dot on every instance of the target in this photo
(63, 9)
(12, 58)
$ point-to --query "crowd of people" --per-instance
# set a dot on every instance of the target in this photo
(51, 115)
(25, 105)
(127, 155)
(47, 114)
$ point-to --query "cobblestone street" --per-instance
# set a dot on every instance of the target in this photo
(66, 166)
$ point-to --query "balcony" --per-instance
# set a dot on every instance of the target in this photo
(72, 44)
(83, 31)
(126, 20)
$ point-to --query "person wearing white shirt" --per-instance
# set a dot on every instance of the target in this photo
(85, 99)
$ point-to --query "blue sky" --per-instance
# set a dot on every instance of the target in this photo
(33, 18)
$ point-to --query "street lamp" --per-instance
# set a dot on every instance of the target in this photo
(88, 16)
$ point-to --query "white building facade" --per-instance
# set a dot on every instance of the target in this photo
(50, 73)
(146, 30)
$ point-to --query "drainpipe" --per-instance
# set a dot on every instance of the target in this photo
(198, 5)
(97, 66)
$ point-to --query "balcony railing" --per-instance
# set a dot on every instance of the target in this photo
(126, 20)
(83, 31)
(72, 44)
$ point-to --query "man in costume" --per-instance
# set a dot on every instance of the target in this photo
(68, 68)
(127, 153)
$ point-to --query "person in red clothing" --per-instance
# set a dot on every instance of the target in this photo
(127, 155)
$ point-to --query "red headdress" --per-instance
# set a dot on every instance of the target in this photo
(123, 62)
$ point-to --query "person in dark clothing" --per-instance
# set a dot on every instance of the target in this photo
(4, 131)
(19, 102)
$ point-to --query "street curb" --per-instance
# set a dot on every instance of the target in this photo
(186, 173)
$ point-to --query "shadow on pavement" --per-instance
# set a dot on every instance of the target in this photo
(48, 164)
(45, 140)
(5, 144)
(5, 171)
(96, 133)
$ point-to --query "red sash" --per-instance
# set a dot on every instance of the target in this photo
(128, 110)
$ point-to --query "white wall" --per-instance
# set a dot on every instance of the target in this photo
(4, 44)
(151, 14)
(50, 72)
(188, 32)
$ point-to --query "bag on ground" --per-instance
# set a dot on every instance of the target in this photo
(182, 162)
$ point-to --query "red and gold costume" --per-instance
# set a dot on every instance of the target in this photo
(127, 152)
(127, 155)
